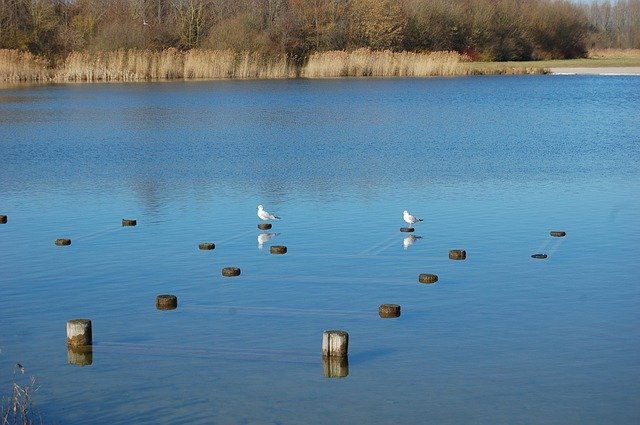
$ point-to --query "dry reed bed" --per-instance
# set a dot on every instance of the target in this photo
(368, 63)
(18, 66)
(146, 65)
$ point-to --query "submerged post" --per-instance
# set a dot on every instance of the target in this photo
(457, 254)
(278, 249)
(79, 333)
(166, 302)
(335, 343)
(3, 219)
(388, 311)
(427, 278)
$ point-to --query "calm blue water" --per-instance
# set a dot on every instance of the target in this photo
(492, 164)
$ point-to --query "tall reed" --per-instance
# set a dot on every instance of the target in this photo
(369, 63)
(18, 66)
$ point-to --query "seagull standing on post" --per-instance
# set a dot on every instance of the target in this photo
(410, 219)
(265, 215)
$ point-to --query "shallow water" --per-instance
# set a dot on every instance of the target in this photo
(492, 164)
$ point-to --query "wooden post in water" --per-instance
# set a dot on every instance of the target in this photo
(166, 302)
(278, 249)
(79, 333)
(558, 234)
(231, 271)
(207, 246)
(63, 242)
(457, 254)
(387, 311)
(3, 219)
(264, 226)
(128, 222)
(335, 347)
(335, 343)
(407, 229)
(427, 278)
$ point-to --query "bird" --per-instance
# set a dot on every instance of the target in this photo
(410, 219)
(265, 215)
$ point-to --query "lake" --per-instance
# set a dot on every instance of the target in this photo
(492, 165)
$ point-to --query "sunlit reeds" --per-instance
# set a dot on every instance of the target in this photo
(168, 64)
(369, 63)
(16, 66)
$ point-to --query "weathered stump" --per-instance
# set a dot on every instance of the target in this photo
(278, 249)
(407, 229)
(231, 271)
(335, 367)
(129, 222)
(79, 333)
(427, 278)
(388, 311)
(264, 226)
(207, 246)
(335, 343)
(558, 234)
(166, 302)
(457, 254)
(63, 242)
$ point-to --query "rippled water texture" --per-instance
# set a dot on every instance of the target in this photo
(492, 165)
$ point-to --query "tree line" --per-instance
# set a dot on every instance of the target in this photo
(484, 29)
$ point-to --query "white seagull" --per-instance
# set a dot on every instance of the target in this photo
(410, 219)
(265, 215)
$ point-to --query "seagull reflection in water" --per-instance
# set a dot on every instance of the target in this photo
(264, 237)
(410, 240)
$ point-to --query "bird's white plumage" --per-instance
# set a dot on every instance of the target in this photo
(265, 215)
(410, 219)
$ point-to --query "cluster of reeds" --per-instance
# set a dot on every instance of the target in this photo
(143, 65)
(370, 63)
(216, 64)
(22, 66)
(121, 65)
(18, 408)
(147, 65)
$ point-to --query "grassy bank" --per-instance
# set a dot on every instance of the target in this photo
(148, 65)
